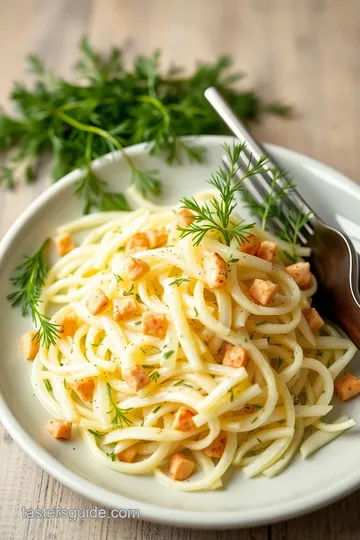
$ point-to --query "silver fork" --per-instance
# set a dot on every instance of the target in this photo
(334, 260)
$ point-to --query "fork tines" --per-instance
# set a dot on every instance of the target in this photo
(259, 188)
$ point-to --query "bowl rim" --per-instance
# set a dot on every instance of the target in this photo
(151, 512)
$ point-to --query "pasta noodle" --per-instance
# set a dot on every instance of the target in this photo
(259, 413)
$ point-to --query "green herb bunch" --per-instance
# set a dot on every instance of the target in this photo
(111, 108)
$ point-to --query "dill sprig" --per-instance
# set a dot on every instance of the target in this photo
(217, 213)
(179, 281)
(28, 279)
(97, 434)
(155, 376)
(268, 208)
(292, 225)
(119, 418)
(112, 107)
(272, 207)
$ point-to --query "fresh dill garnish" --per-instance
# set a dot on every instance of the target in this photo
(28, 279)
(231, 392)
(129, 292)
(111, 455)
(168, 354)
(257, 406)
(232, 260)
(118, 278)
(272, 207)
(96, 434)
(92, 190)
(119, 418)
(179, 382)
(269, 206)
(196, 312)
(137, 297)
(179, 281)
(253, 420)
(48, 385)
(296, 399)
(260, 323)
(292, 224)
(145, 366)
(142, 350)
(154, 376)
(156, 409)
(259, 441)
(279, 363)
(112, 107)
(137, 323)
(216, 214)
(188, 385)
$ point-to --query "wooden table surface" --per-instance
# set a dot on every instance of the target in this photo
(303, 51)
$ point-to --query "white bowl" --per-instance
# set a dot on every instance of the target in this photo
(306, 485)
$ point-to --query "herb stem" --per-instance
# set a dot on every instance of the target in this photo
(96, 131)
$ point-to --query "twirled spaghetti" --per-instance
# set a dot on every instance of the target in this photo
(256, 416)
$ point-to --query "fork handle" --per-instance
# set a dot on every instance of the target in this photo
(335, 263)
(235, 125)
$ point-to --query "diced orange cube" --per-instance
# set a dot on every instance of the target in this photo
(267, 251)
(313, 319)
(124, 308)
(137, 242)
(154, 324)
(215, 270)
(68, 325)
(156, 238)
(347, 387)
(250, 244)
(217, 447)
(30, 345)
(235, 356)
(136, 377)
(60, 429)
(263, 291)
(181, 466)
(64, 244)
(184, 218)
(84, 388)
(128, 454)
(183, 420)
(300, 272)
(135, 268)
(97, 302)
